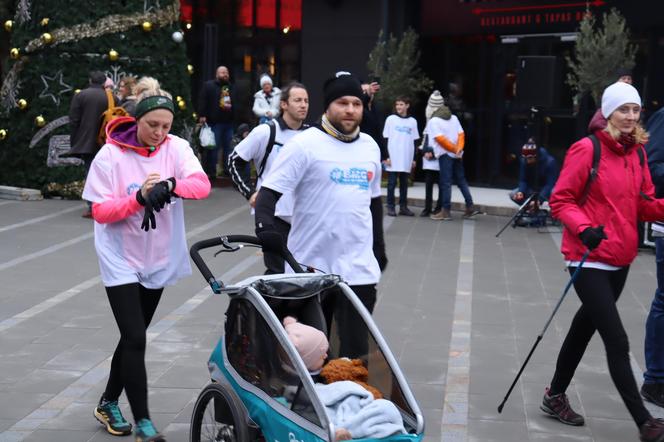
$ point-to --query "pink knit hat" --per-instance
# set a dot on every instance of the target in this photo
(309, 342)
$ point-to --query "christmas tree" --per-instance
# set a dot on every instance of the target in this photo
(600, 51)
(396, 63)
(54, 46)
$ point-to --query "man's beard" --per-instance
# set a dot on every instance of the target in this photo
(340, 128)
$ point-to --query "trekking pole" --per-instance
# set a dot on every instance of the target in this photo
(519, 213)
(539, 337)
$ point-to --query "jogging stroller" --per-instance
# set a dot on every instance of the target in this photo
(260, 388)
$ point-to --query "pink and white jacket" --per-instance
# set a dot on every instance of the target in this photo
(126, 253)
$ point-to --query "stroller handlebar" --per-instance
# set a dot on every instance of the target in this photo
(226, 242)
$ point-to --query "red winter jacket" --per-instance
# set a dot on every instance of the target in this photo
(613, 199)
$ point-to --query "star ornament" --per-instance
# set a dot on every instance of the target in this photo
(54, 87)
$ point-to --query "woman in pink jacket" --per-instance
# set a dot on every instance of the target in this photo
(602, 216)
(139, 171)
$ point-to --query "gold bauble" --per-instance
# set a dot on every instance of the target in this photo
(76, 91)
(194, 116)
(182, 105)
(178, 98)
(147, 26)
(190, 69)
(22, 104)
(3, 134)
(14, 53)
(47, 38)
(113, 55)
(8, 25)
(40, 121)
(44, 21)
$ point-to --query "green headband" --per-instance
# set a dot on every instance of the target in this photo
(155, 102)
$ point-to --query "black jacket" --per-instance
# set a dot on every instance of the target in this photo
(208, 103)
(85, 119)
(655, 151)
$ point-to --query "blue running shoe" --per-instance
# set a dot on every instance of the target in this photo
(109, 414)
(146, 432)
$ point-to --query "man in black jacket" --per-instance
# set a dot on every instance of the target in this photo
(653, 386)
(85, 119)
(216, 109)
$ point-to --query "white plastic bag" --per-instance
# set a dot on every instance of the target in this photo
(206, 137)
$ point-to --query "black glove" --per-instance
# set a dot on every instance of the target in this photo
(592, 236)
(381, 256)
(160, 195)
(271, 240)
(148, 218)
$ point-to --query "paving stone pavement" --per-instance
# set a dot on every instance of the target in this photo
(459, 308)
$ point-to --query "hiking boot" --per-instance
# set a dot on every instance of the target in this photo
(391, 212)
(109, 414)
(443, 215)
(653, 393)
(405, 211)
(471, 212)
(652, 430)
(425, 212)
(146, 432)
(558, 406)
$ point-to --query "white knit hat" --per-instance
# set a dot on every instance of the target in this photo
(618, 94)
(435, 100)
(265, 79)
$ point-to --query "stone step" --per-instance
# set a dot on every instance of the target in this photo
(20, 193)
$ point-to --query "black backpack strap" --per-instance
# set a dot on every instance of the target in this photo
(268, 148)
(642, 160)
(592, 176)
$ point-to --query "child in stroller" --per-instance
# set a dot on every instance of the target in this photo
(351, 408)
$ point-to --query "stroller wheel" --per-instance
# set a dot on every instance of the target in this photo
(218, 416)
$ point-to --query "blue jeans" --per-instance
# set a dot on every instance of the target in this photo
(452, 169)
(403, 188)
(223, 134)
(654, 345)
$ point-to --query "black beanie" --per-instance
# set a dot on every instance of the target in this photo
(342, 84)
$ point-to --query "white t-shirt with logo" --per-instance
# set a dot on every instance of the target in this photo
(401, 132)
(450, 129)
(332, 183)
(433, 163)
(253, 148)
(126, 253)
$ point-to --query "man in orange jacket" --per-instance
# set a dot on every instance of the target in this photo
(449, 138)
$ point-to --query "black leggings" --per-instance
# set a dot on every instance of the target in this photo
(133, 307)
(353, 334)
(599, 290)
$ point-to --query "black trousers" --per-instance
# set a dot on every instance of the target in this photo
(599, 290)
(353, 334)
(274, 263)
(431, 177)
(133, 307)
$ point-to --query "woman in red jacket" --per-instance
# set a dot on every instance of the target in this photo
(602, 216)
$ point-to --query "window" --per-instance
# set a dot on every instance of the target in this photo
(258, 357)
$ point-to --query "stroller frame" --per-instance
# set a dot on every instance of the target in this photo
(224, 374)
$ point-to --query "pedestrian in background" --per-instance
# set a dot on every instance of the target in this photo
(266, 100)
(256, 148)
(85, 120)
(601, 216)
(653, 378)
(126, 96)
(400, 131)
(140, 170)
(446, 131)
(430, 164)
(216, 109)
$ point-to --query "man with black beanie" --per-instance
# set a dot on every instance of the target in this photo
(333, 171)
